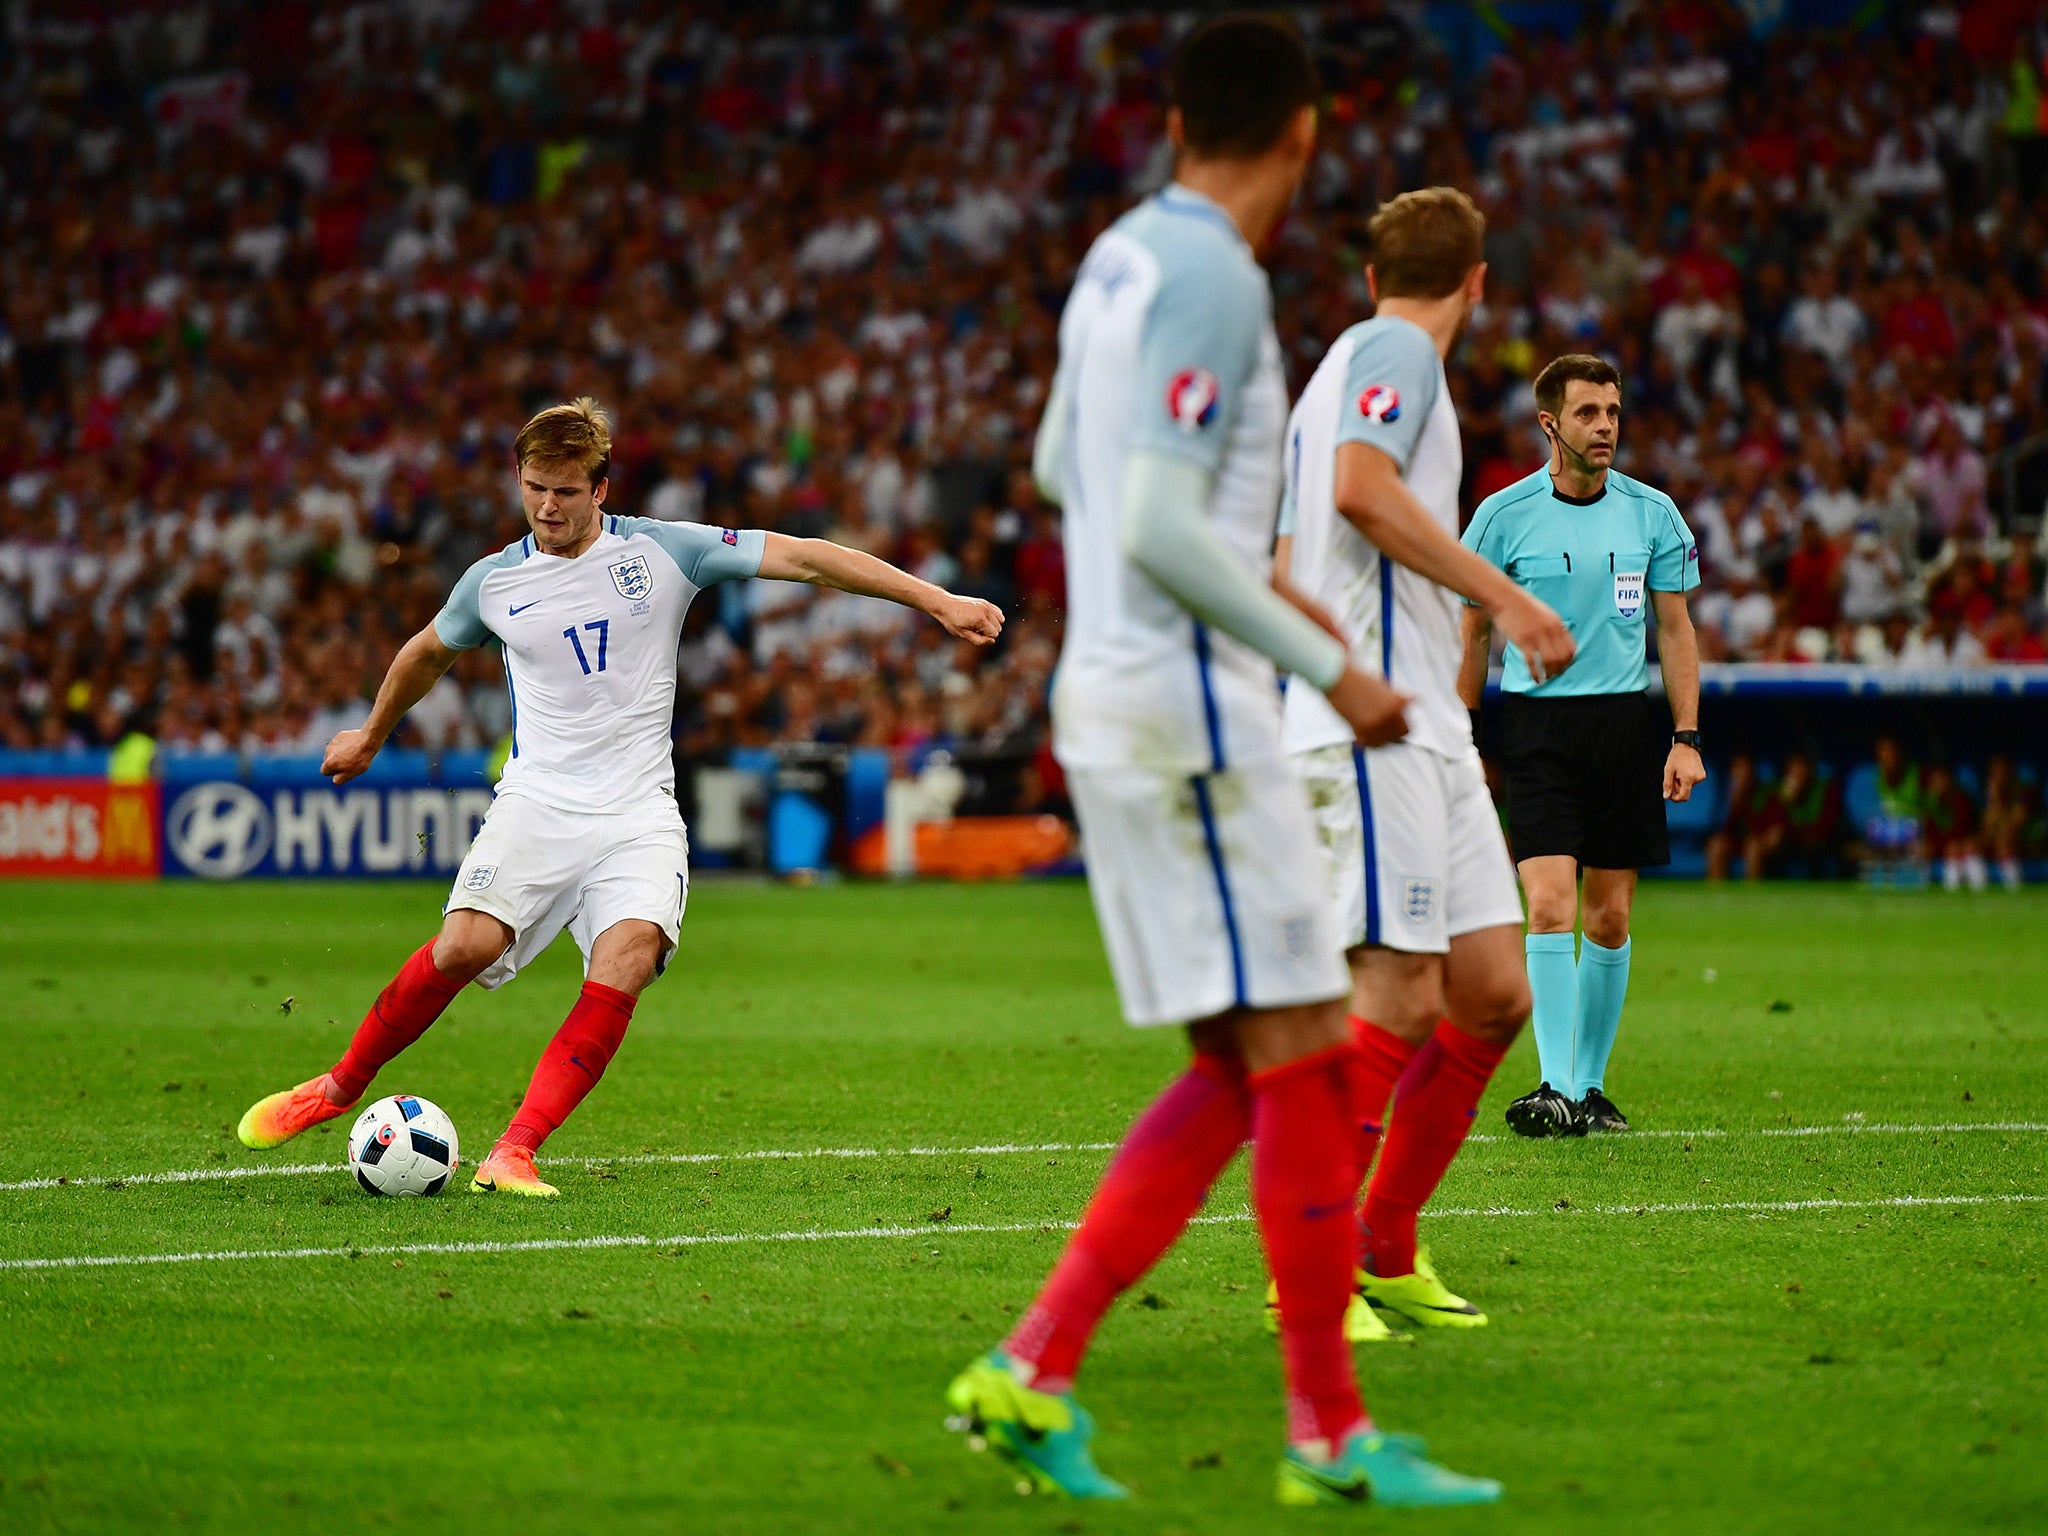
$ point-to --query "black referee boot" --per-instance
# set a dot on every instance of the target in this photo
(1600, 1112)
(1546, 1112)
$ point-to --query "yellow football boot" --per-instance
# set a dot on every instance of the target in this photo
(1362, 1325)
(1420, 1298)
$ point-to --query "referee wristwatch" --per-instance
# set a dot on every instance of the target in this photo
(1686, 739)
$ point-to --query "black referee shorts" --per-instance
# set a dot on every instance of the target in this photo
(1585, 777)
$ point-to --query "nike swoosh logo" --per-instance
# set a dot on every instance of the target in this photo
(514, 613)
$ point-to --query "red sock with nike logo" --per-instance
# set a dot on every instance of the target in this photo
(571, 1065)
(1382, 1057)
(1434, 1103)
(1304, 1185)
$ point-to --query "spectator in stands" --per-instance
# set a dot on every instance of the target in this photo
(2006, 637)
(1824, 321)
(1942, 642)
(1829, 500)
(1738, 618)
(1814, 579)
(1873, 580)
(1951, 479)
(261, 359)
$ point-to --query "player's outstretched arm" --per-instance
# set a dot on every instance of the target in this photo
(825, 564)
(414, 670)
(1377, 502)
(1167, 533)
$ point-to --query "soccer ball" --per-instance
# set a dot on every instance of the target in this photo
(402, 1146)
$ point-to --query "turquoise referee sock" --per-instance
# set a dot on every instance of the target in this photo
(1554, 990)
(1603, 986)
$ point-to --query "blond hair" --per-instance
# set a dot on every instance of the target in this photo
(578, 432)
(1425, 242)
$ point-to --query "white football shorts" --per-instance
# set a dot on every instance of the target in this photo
(1209, 890)
(539, 870)
(1414, 847)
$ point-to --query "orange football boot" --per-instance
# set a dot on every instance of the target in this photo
(273, 1121)
(509, 1170)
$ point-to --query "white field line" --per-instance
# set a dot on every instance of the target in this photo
(203, 1175)
(941, 1229)
(998, 1149)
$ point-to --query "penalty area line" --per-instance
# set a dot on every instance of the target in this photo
(942, 1229)
(993, 1149)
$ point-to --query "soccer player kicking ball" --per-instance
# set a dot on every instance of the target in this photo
(1161, 440)
(1588, 769)
(584, 833)
(1417, 868)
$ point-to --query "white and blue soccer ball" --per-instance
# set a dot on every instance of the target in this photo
(403, 1145)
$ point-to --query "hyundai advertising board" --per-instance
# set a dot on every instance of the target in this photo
(219, 829)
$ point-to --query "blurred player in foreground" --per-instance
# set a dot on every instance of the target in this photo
(1418, 871)
(1161, 440)
(584, 832)
(1588, 768)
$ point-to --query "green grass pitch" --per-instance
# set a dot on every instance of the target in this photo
(1674, 1347)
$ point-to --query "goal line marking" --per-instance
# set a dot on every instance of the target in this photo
(941, 1229)
(999, 1149)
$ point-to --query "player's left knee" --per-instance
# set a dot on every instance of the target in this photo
(1607, 926)
(629, 960)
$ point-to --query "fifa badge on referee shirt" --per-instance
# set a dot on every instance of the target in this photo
(1628, 593)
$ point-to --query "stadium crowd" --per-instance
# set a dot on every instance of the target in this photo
(281, 280)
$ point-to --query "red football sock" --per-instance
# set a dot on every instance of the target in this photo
(571, 1065)
(403, 1010)
(1155, 1183)
(1304, 1184)
(1382, 1058)
(1434, 1103)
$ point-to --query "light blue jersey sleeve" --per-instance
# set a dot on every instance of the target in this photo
(705, 555)
(1674, 557)
(460, 623)
(1198, 352)
(1389, 389)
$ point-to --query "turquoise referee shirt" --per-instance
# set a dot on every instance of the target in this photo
(1596, 562)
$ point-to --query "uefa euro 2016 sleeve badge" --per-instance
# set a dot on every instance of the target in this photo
(633, 578)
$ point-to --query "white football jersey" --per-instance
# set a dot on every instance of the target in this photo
(590, 652)
(1382, 383)
(1166, 345)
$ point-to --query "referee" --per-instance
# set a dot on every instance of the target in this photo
(1588, 767)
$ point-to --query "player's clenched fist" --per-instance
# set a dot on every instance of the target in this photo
(969, 618)
(1539, 634)
(1376, 713)
(348, 755)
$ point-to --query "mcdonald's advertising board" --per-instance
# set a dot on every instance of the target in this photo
(79, 828)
